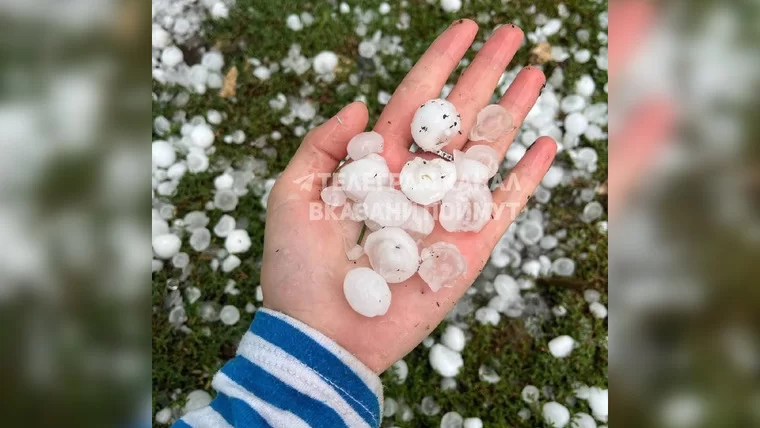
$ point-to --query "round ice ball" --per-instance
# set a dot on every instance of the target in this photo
(237, 241)
(165, 246)
(562, 346)
(451, 5)
(576, 123)
(555, 414)
(445, 361)
(453, 337)
(171, 56)
(367, 292)
(202, 136)
(229, 315)
(435, 124)
(163, 154)
(325, 62)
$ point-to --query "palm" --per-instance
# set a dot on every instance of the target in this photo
(305, 260)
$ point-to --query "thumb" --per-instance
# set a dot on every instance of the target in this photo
(321, 151)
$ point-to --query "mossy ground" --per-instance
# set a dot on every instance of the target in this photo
(257, 29)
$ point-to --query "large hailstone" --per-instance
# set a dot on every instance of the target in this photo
(325, 62)
(360, 177)
(393, 254)
(562, 346)
(442, 264)
(202, 136)
(435, 124)
(427, 181)
(485, 155)
(466, 208)
(453, 338)
(165, 246)
(445, 361)
(163, 154)
(492, 123)
(470, 170)
(367, 292)
(555, 414)
(387, 207)
(364, 144)
(237, 241)
(420, 223)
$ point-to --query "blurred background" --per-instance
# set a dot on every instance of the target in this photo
(75, 298)
(685, 330)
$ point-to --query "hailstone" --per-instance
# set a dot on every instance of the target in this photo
(435, 124)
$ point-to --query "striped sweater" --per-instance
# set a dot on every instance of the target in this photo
(286, 374)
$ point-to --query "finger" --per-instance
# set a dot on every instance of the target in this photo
(634, 149)
(320, 152)
(517, 187)
(423, 82)
(518, 100)
(475, 87)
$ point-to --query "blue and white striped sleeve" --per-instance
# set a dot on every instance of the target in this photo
(286, 374)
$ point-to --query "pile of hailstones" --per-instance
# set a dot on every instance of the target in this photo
(400, 219)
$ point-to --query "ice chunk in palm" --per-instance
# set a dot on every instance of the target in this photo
(492, 123)
(466, 207)
(555, 414)
(442, 264)
(485, 155)
(367, 292)
(420, 223)
(445, 361)
(435, 124)
(393, 254)
(562, 346)
(470, 170)
(427, 181)
(387, 207)
(364, 144)
(360, 177)
(333, 196)
(355, 252)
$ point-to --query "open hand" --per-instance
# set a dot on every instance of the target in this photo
(304, 260)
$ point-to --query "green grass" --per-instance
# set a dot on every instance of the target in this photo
(257, 29)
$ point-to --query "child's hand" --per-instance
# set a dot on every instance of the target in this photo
(305, 260)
